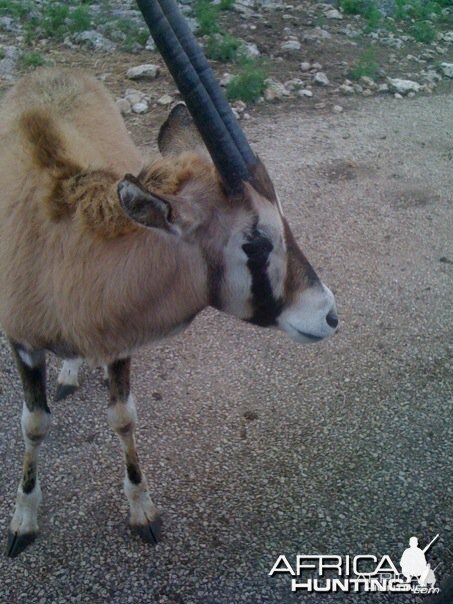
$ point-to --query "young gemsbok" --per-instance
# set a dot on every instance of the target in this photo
(100, 254)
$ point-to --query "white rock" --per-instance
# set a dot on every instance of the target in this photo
(141, 107)
(397, 95)
(334, 14)
(294, 84)
(447, 69)
(403, 86)
(164, 100)
(94, 40)
(305, 92)
(321, 79)
(274, 90)
(383, 88)
(337, 108)
(250, 50)
(147, 71)
(124, 106)
(346, 89)
(134, 97)
(316, 66)
(150, 44)
(291, 45)
(305, 66)
(226, 79)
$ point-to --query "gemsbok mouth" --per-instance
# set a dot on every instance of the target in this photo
(309, 336)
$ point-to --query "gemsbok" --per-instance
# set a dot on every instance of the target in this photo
(101, 252)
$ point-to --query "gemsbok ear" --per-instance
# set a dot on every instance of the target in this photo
(142, 206)
(178, 133)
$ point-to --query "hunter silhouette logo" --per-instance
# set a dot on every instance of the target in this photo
(413, 563)
(361, 573)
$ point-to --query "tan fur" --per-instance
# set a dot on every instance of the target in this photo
(76, 275)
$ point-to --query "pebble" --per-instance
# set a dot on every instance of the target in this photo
(165, 100)
(305, 92)
(447, 69)
(403, 86)
(397, 95)
(291, 45)
(147, 71)
(334, 14)
(321, 79)
(140, 107)
(338, 109)
(274, 90)
(305, 66)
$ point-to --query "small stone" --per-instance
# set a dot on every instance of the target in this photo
(294, 84)
(274, 90)
(305, 66)
(165, 100)
(124, 106)
(133, 97)
(291, 45)
(334, 14)
(305, 92)
(240, 106)
(147, 71)
(447, 69)
(403, 86)
(150, 44)
(94, 40)
(250, 50)
(226, 79)
(321, 79)
(383, 88)
(346, 89)
(368, 82)
(141, 107)
(397, 95)
(338, 109)
(411, 95)
(317, 66)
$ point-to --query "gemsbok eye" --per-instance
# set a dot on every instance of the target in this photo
(258, 249)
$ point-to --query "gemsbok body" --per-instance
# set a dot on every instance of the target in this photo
(102, 252)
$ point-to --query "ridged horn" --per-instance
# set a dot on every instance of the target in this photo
(211, 113)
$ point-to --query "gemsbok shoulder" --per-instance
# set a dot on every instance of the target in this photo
(101, 252)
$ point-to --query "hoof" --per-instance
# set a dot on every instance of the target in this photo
(64, 390)
(149, 533)
(17, 543)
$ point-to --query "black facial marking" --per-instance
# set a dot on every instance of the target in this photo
(266, 307)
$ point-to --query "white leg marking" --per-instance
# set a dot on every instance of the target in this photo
(122, 418)
(25, 518)
(35, 426)
(142, 508)
(69, 374)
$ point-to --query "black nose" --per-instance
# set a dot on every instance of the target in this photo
(332, 319)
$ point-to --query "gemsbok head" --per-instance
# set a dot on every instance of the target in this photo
(101, 252)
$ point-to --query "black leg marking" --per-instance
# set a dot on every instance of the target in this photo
(31, 365)
(145, 520)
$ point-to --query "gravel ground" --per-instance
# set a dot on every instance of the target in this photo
(254, 446)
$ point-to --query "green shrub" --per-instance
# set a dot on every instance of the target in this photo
(365, 66)
(32, 60)
(222, 47)
(422, 31)
(249, 84)
(207, 14)
(226, 4)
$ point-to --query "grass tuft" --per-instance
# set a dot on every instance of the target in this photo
(249, 84)
(366, 66)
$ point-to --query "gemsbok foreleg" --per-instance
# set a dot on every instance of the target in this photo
(144, 516)
(35, 425)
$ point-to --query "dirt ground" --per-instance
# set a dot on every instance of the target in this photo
(255, 446)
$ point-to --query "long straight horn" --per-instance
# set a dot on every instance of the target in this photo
(201, 66)
(221, 145)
